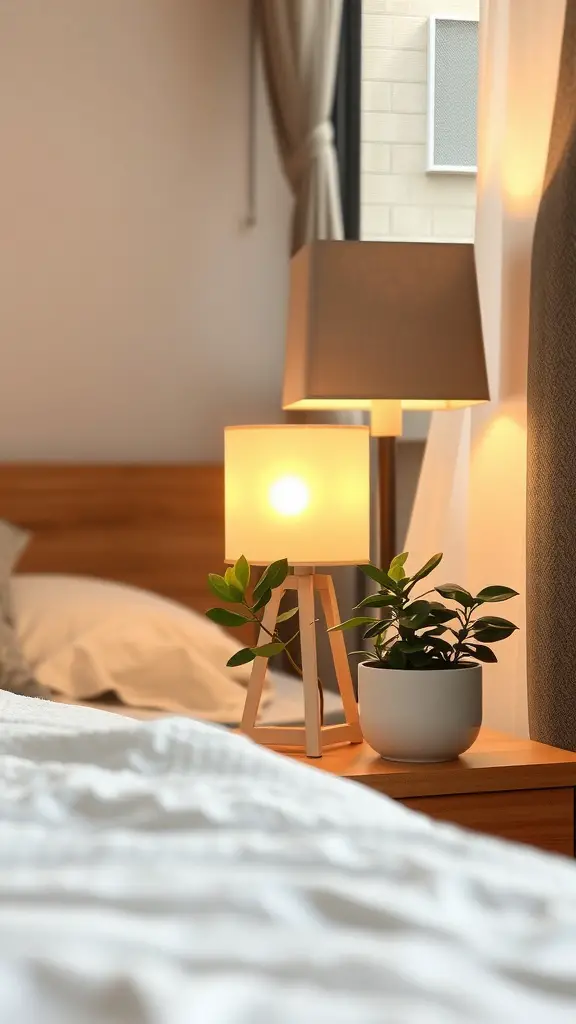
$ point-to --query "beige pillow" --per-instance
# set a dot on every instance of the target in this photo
(84, 637)
(15, 675)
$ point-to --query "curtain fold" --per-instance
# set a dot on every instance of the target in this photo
(300, 44)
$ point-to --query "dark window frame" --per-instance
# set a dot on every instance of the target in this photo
(346, 115)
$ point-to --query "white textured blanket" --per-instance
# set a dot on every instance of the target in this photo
(172, 873)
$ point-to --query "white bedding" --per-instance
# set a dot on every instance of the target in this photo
(168, 872)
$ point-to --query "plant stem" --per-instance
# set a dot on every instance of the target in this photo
(297, 668)
(465, 619)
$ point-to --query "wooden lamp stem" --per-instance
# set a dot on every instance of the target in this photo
(386, 500)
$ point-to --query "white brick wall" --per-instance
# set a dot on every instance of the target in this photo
(399, 200)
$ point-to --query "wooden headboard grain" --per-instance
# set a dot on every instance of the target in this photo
(160, 527)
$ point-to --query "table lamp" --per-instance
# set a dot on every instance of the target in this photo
(384, 326)
(300, 492)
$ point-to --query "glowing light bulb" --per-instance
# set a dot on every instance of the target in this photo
(289, 496)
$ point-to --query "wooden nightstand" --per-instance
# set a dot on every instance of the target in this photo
(506, 787)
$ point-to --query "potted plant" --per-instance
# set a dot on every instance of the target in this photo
(420, 686)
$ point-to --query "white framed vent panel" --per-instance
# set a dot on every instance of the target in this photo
(452, 95)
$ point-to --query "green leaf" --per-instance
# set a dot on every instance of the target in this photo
(415, 622)
(284, 616)
(225, 591)
(437, 631)
(440, 645)
(396, 572)
(399, 560)
(481, 653)
(439, 613)
(242, 572)
(262, 600)
(387, 615)
(241, 657)
(268, 650)
(417, 607)
(379, 576)
(218, 586)
(358, 620)
(412, 646)
(379, 627)
(454, 592)
(429, 567)
(365, 654)
(493, 594)
(223, 617)
(491, 635)
(396, 658)
(416, 615)
(272, 577)
(494, 620)
(378, 601)
(230, 578)
(236, 590)
(421, 659)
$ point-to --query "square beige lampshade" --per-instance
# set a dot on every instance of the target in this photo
(387, 321)
(297, 491)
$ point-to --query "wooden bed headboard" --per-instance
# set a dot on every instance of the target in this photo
(159, 527)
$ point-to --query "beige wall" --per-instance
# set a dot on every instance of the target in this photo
(475, 463)
(137, 315)
(399, 200)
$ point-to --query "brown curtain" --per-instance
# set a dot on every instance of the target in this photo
(300, 43)
(551, 522)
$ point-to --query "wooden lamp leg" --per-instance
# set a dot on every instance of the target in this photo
(340, 658)
(258, 673)
(314, 737)
(306, 614)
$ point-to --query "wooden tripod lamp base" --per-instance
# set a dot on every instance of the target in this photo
(313, 738)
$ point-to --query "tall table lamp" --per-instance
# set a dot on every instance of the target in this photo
(300, 492)
(384, 326)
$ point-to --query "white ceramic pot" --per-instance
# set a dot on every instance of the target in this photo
(420, 716)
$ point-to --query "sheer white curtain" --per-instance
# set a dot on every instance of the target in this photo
(300, 43)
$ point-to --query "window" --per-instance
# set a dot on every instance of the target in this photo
(452, 95)
(418, 104)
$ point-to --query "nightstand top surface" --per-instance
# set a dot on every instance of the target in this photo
(496, 762)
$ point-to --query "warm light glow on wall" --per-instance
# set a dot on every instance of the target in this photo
(530, 107)
(500, 457)
(298, 491)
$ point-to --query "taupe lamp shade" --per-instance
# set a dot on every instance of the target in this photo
(371, 321)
